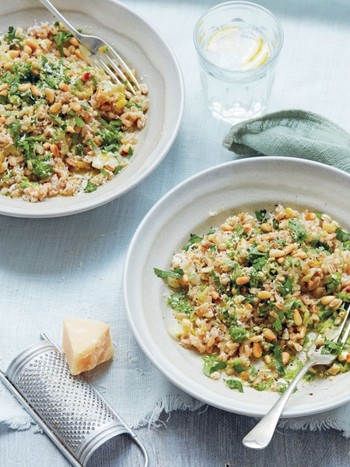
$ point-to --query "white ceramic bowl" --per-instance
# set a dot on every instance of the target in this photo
(148, 53)
(194, 206)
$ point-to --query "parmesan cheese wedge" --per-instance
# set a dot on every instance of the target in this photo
(86, 343)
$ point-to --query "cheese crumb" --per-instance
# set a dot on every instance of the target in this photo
(86, 343)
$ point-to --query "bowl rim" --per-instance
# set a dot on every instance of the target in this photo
(47, 211)
(205, 396)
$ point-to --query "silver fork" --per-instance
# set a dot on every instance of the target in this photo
(260, 436)
(101, 54)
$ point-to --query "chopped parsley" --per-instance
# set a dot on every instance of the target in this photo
(341, 235)
(193, 239)
(332, 282)
(234, 384)
(238, 333)
(277, 324)
(332, 348)
(238, 367)
(61, 39)
(179, 302)
(261, 215)
(286, 288)
(277, 352)
(173, 274)
(211, 364)
(299, 232)
(90, 187)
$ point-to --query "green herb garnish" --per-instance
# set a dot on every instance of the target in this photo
(173, 274)
(234, 384)
(193, 239)
(299, 232)
(237, 333)
(211, 364)
(179, 302)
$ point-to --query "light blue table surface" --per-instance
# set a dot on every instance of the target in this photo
(313, 74)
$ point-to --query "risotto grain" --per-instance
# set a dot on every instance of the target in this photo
(248, 295)
(65, 128)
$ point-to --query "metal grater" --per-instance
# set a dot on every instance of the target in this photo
(70, 411)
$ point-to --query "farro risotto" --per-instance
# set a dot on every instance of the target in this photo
(252, 295)
(65, 128)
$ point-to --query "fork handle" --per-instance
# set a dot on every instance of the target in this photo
(260, 436)
(58, 15)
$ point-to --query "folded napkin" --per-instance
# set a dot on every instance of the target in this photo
(292, 133)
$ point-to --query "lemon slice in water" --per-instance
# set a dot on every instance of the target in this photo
(237, 48)
(258, 58)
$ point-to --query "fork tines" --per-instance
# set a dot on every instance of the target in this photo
(107, 58)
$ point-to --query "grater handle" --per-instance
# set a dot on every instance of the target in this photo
(38, 420)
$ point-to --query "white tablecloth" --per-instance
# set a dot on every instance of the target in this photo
(50, 268)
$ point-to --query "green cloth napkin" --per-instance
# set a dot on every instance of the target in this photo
(292, 133)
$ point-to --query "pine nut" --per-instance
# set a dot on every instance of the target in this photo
(79, 54)
(289, 248)
(54, 150)
(335, 304)
(267, 359)
(264, 294)
(226, 227)
(256, 338)
(298, 320)
(24, 87)
(275, 253)
(50, 95)
(302, 332)
(35, 91)
(248, 351)
(326, 300)
(300, 254)
(257, 350)
(32, 43)
(27, 50)
(75, 106)
(64, 87)
(74, 42)
(269, 334)
(285, 358)
(55, 107)
(214, 295)
(242, 280)
(310, 216)
(266, 227)
(13, 53)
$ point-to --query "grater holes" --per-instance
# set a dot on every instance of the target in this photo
(68, 405)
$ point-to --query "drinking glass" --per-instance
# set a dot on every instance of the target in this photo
(238, 44)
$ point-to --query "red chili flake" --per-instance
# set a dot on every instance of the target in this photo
(86, 76)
